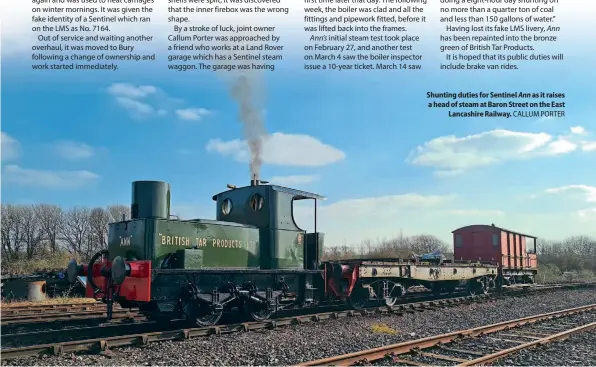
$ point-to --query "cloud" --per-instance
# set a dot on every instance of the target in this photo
(143, 101)
(133, 99)
(192, 114)
(450, 155)
(131, 91)
(559, 146)
(294, 180)
(74, 151)
(585, 192)
(588, 146)
(48, 179)
(134, 106)
(11, 148)
(477, 213)
(282, 150)
(587, 214)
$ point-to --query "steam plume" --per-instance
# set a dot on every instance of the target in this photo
(244, 90)
(247, 90)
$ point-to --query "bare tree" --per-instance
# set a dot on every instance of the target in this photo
(99, 219)
(117, 212)
(50, 219)
(423, 244)
(75, 230)
(12, 232)
(32, 234)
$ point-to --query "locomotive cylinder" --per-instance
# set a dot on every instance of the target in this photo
(150, 199)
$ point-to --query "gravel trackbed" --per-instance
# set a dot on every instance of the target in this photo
(301, 343)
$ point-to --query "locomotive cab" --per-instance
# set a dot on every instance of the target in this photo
(284, 245)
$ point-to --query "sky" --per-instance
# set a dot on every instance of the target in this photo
(367, 141)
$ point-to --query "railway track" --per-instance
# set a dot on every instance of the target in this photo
(60, 345)
(67, 307)
(468, 347)
(66, 316)
(22, 339)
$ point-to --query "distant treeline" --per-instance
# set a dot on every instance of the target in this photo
(43, 237)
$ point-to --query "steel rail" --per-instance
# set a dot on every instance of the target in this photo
(56, 310)
(424, 343)
(81, 333)
(44, 307)
(85, 315)
(502, 353)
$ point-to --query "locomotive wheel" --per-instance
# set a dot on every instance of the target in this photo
(358, 298)
(201, 315)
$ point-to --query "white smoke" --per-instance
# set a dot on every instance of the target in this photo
(247, 89)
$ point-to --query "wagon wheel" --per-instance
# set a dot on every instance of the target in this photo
(528, 279)
(391, 301)
(358, 298)
(261, 315)
(472, 287)
(201, 314)
(484, 285)
(259, 312)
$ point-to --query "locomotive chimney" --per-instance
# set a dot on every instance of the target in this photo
(255, 180)
(150, 199)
